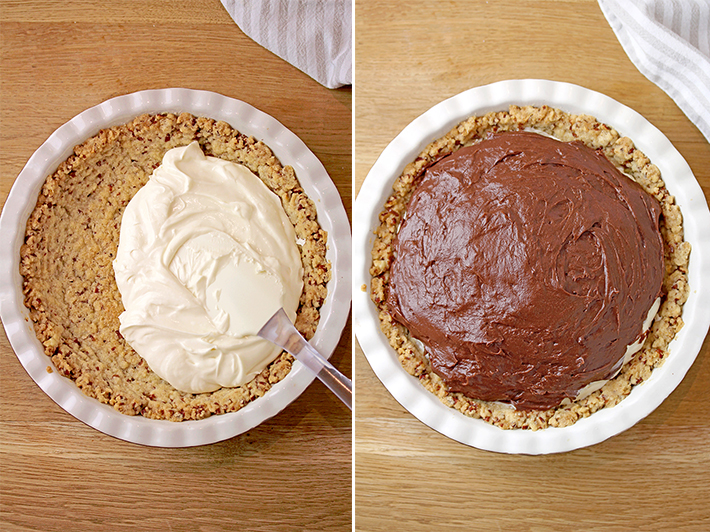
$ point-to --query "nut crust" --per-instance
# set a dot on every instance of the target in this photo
(71, 240)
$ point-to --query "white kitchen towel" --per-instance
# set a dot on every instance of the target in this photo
(315, 36)
(669, 42)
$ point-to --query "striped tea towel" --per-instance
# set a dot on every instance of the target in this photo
(669, 42)
(315, 36)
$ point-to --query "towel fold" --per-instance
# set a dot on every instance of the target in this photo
(669, 42)
(315, 36)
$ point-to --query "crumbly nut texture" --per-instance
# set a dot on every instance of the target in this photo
(71, 241)
(566, 127)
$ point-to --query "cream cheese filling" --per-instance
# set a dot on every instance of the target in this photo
(206, 255)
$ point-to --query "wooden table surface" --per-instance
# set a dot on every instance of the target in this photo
(654, 476)
(293, 472)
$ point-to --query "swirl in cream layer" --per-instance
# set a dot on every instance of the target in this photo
(206, 256)
(526, 266)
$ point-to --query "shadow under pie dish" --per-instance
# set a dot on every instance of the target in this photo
(135, 131)
(465, 120)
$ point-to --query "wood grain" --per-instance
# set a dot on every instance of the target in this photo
(408, 477)
(293, 472)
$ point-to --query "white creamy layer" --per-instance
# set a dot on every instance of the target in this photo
(206, 256)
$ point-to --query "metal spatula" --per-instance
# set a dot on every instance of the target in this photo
(280, 331)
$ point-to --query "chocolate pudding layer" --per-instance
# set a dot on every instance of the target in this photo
(526, 266)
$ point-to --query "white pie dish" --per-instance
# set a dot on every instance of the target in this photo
(680, 182)
(22, 198)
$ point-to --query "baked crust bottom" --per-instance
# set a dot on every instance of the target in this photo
(620, 151)
(71, 241)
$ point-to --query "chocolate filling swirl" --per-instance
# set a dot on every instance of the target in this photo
(526, 266)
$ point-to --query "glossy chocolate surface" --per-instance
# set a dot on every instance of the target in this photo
(526, 266)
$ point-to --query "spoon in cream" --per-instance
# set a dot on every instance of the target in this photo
(280, 331)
